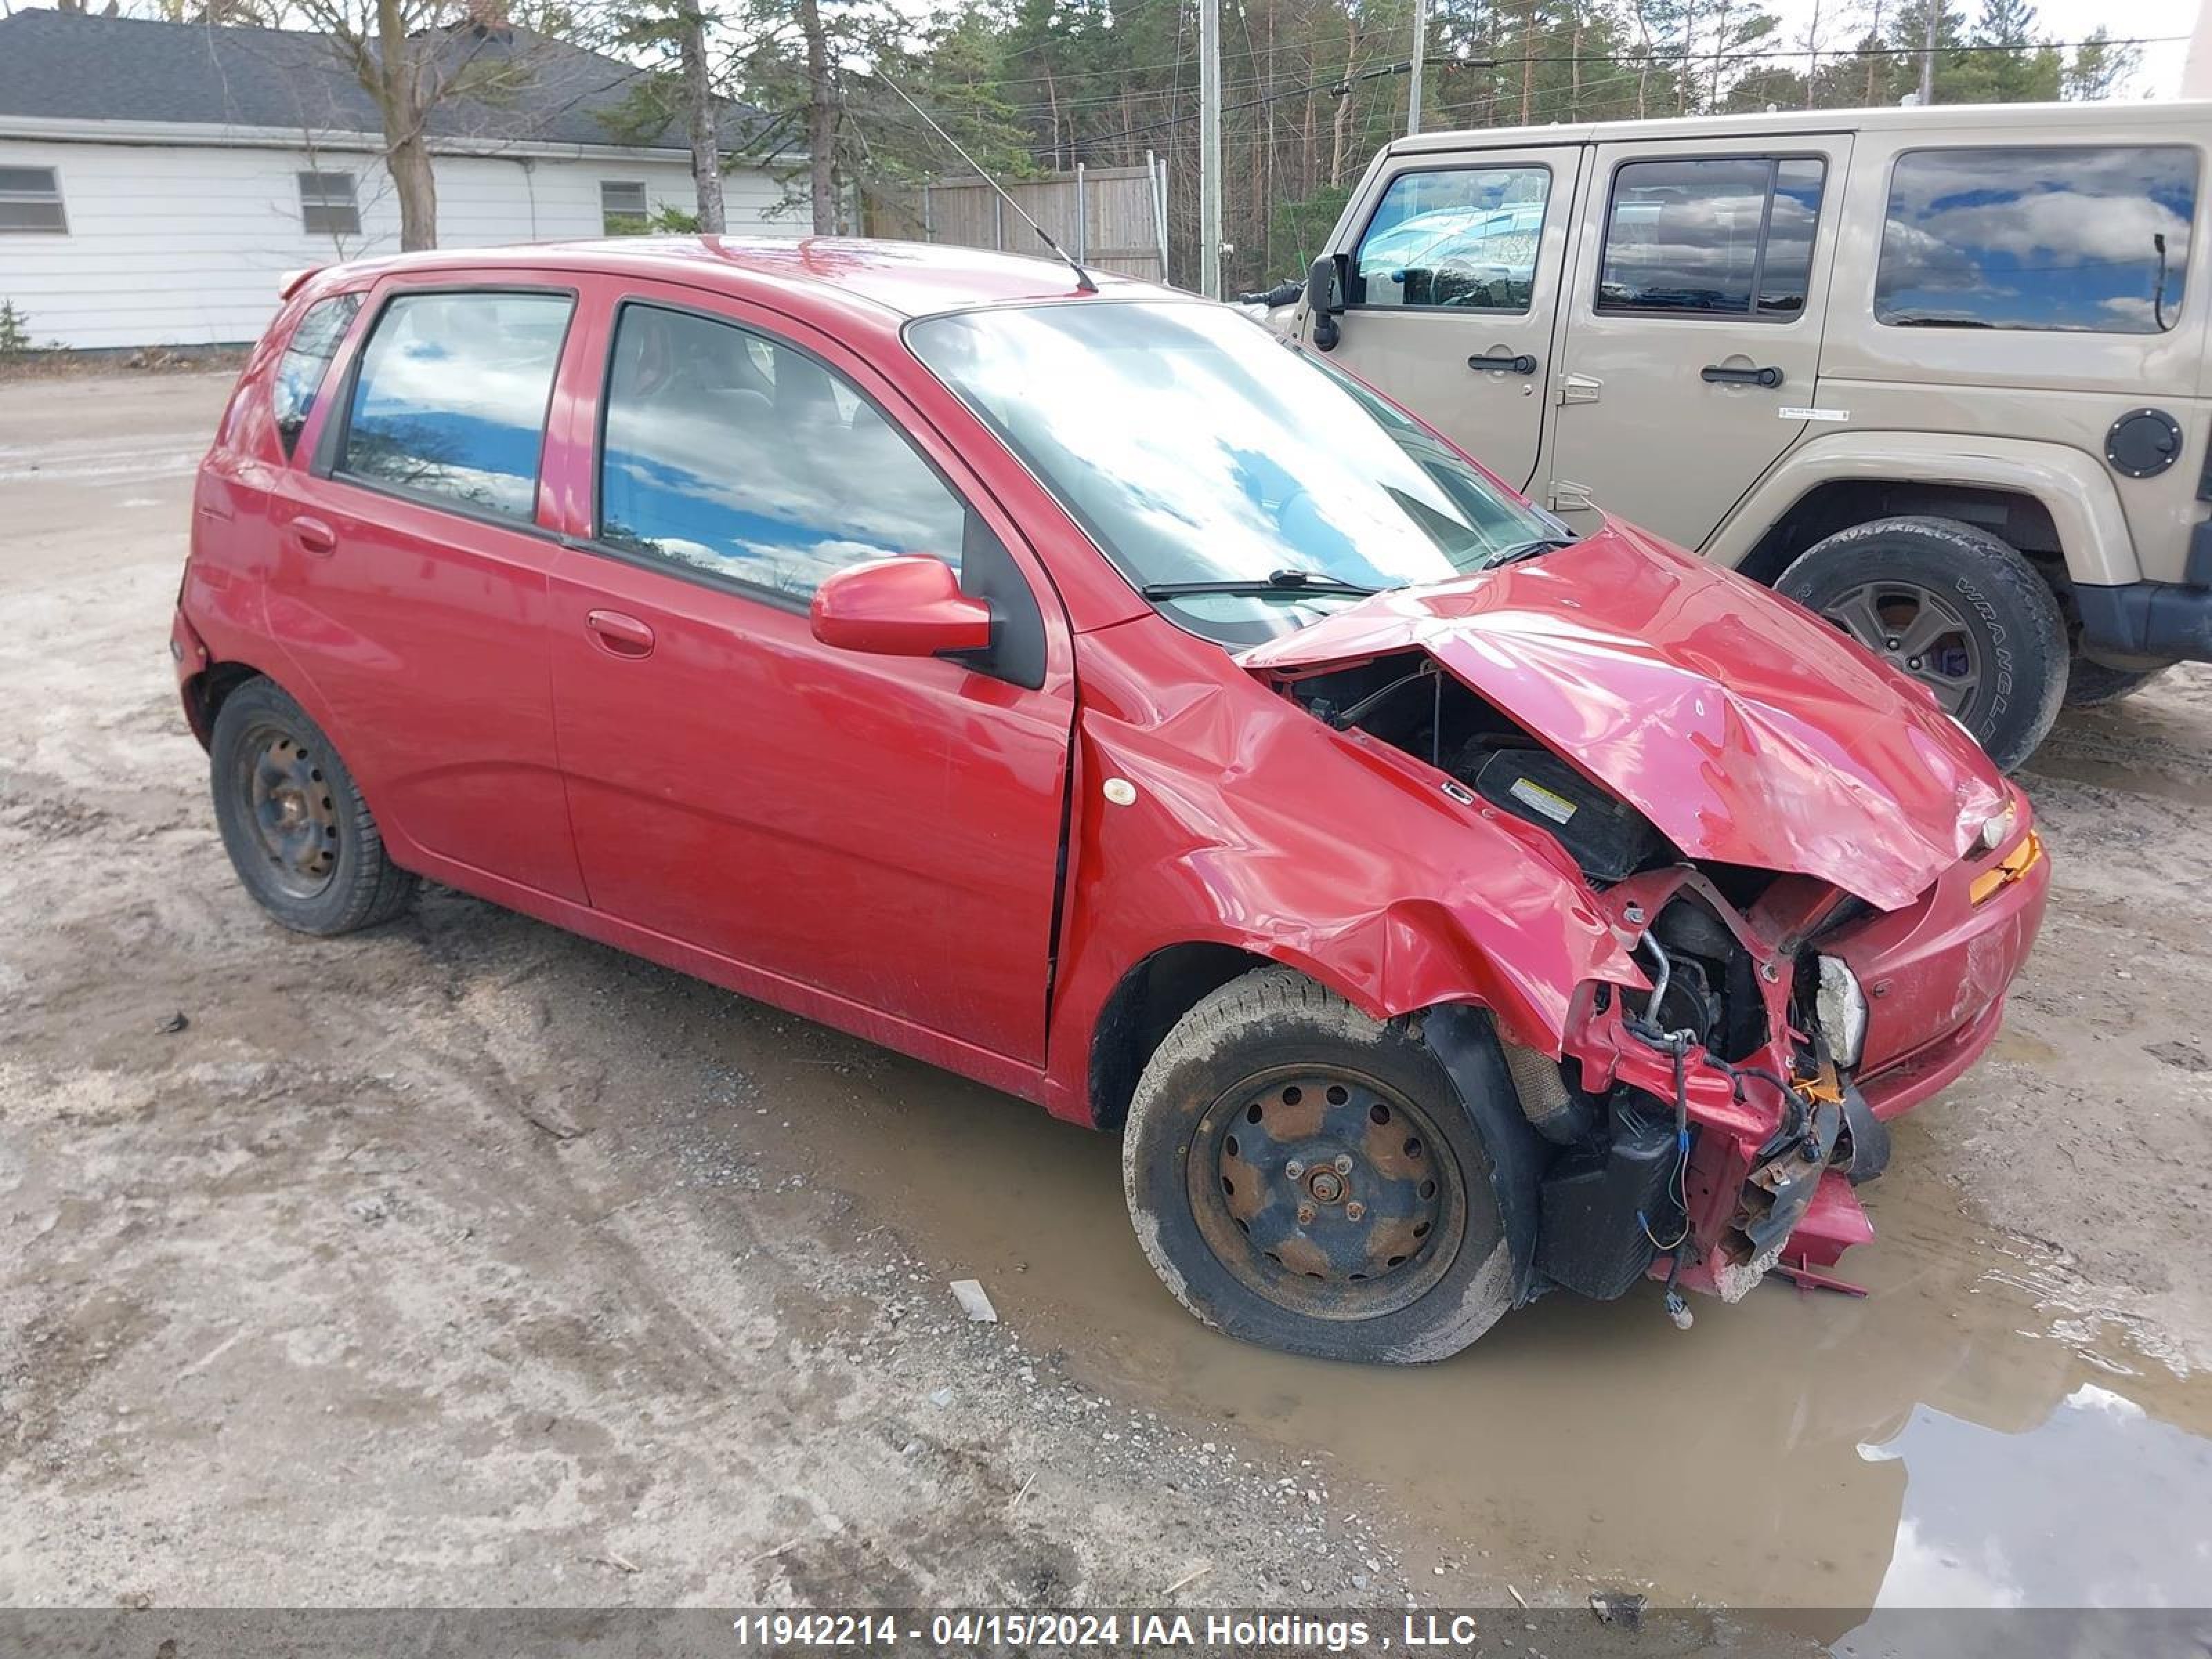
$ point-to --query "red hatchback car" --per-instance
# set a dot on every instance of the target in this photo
(1072, 686)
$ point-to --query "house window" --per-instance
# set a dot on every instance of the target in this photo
(623, 210)
(327, 207)
(31, 199)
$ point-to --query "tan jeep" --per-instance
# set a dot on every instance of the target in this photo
(1937, 373)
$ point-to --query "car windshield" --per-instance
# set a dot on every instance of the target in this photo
(1196, 450)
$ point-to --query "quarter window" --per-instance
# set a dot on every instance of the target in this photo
(31, 199)
(1465, 239)
(299, 372)
(727, 452)
(327, 207)
(623, 210)
(451, 399)
(2082, 240)
(1725, 236)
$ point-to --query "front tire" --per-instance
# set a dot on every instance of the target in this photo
(1954, 608)
(1306, 1178)
(298, 832)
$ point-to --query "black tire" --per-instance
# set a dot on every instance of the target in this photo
(1272, 1052)
(2000, 665)
(2091, 684)
(300, 837)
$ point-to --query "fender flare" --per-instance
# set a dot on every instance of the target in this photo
(2074, 487)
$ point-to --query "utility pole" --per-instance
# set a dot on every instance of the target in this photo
(1209, 148)
(1928, 54)
(1413, 79)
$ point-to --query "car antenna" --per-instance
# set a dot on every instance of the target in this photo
(1082, 277)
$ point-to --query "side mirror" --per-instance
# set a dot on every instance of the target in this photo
(908, 606)
(1326, 282)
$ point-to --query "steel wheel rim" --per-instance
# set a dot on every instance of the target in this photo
(1919, 632)
(1326, 1192)
(290, 809)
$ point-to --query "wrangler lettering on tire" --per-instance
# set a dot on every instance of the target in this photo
(1953, 607)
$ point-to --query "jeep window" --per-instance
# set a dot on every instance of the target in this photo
(1725, 236)
(451, 400)
(1193, 447)
(1464, 238)
(2093, 241)
(299, 372)
(727, 452)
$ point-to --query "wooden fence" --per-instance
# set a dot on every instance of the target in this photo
(1115, 218)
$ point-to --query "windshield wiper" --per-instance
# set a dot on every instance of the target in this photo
(1530, 549)
(1292, 583)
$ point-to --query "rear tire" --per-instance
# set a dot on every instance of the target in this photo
(2090, 684)
(298, 832)
(1953, 607)
(1307, 1178)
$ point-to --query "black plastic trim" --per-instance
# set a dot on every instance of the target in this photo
(2151, 619)
(1462, 1040)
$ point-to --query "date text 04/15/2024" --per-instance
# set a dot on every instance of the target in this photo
(955, 1631)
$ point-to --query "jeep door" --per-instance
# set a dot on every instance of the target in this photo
(874, 840)
(1694, 315)
(1452, 291)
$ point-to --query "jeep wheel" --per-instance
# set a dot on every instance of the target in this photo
(298, 834)
(2090, 684)
(1306, 1178)
(1956, 609)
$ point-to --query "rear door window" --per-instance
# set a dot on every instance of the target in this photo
(1461, 238)
(452, 396)
(1719, 236)
(2085, 240)
(306, 360)
(734, 454)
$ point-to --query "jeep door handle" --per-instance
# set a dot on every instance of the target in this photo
(315, 535)
(619, 635)
(1719, 376)
(1522, 363)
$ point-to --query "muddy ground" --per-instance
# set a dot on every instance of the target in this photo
(468, 1262)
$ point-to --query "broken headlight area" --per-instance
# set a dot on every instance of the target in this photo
(1706, 1129)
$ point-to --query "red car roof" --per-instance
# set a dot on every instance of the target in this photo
(910, 279)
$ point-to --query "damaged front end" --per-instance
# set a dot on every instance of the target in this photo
(1709, 1124)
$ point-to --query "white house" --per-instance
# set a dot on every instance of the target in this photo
(157, 178)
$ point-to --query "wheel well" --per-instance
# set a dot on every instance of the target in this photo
(206, 693)
(1144, 1008)
(2014, 517)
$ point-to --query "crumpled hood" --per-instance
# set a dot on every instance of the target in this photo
(1745, 729)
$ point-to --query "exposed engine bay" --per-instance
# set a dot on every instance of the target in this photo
(1689, 1126)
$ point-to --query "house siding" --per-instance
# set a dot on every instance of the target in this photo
(177, 245)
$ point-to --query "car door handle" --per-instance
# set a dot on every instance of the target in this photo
(315, 535)
(619, 635)
(1520, 363)
(1718, 375)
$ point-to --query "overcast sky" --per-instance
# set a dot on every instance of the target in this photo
(2057, 20)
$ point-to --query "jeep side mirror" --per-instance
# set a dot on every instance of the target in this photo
(1325, 287)
(907, 606)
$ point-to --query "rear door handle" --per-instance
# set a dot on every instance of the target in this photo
(1719, 376)
(619, 635)
(1518, 363)
(315, 535)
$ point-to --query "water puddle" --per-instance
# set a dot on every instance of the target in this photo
(1939, 1441)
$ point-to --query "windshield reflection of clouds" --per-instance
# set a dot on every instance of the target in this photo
(1196, 449)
